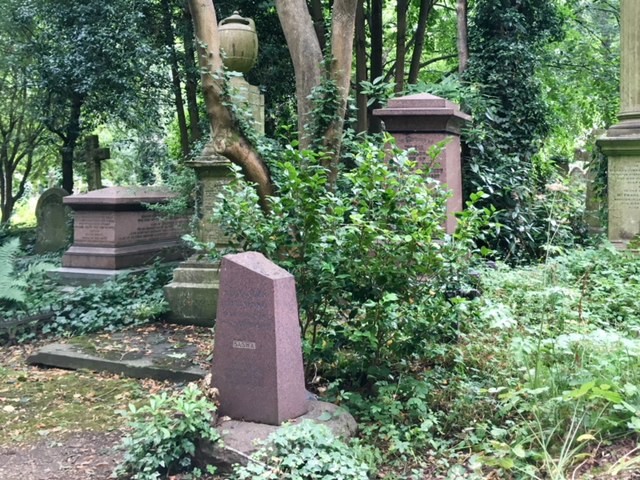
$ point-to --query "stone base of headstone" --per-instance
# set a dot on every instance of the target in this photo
(83, 277)
(240, 439)
(193, 293)
(117, 258)
(623, 152)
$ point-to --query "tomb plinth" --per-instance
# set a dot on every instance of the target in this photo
(621, 144)
(421, 121)
(257, 356)
(115, 229)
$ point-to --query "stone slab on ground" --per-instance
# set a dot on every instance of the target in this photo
(159, 352)
(241, 439)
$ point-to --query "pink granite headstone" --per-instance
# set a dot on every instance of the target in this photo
(257, 356)
(420, 121)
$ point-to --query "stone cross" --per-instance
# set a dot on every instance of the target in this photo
(93, 155)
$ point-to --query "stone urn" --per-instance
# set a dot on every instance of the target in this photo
(239, 41)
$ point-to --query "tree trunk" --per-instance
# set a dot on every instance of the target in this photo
(462, 38)
(70, 141)
(342, 33)
(315, 7)
(361, 67)
(401, 43)
(4, 179)
(169, 40)
(191, 77)
(306, 56)
(423, 17)
(7, 202)
(375, 125)
(227, 139)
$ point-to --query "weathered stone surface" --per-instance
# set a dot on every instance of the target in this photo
(94, 155)
(421, 121)
(83, 277)
(621, 144)
(213, 172)
(54, 221)
(193, 293)
(257, 356)
(241, 439)
(113, 229)
(70, 357)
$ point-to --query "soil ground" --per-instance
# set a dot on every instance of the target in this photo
(60, 424)
(83, 456)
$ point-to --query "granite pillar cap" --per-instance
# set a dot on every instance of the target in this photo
(422, 112)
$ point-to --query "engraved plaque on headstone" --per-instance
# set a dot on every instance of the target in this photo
(257, 356)
(624, 198)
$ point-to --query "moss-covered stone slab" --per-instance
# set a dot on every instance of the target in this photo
(178, 354)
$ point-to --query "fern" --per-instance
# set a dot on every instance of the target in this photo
(11, 287)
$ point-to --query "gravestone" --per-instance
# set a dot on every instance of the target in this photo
(54, 221)
(621, 144)
(115, 229)
(257, 355)
(94, 155)
(421, 121)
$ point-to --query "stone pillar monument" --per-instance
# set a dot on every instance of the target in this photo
(622, 141)
(193, 292)
(420, 121)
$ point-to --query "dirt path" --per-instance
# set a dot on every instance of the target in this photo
(84, 456)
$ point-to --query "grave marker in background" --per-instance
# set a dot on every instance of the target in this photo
(94, 155)
(114, 229)
(621, 144)
(257, 356)
(421, 121)
(54, 221)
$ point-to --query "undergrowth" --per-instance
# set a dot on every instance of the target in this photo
(545, 377)
(125, 301)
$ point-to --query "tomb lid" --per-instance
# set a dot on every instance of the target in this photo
(120, 196)
(421, 104)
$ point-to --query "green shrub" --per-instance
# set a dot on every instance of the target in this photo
(306, 451)
(12, 289)
(165, 434)
(371, 258)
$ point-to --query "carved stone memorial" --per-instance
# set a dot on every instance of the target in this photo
(621, 144)
(192, 294)
(257, 356)
(54, 221)
(420, 121)
(115, 229)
